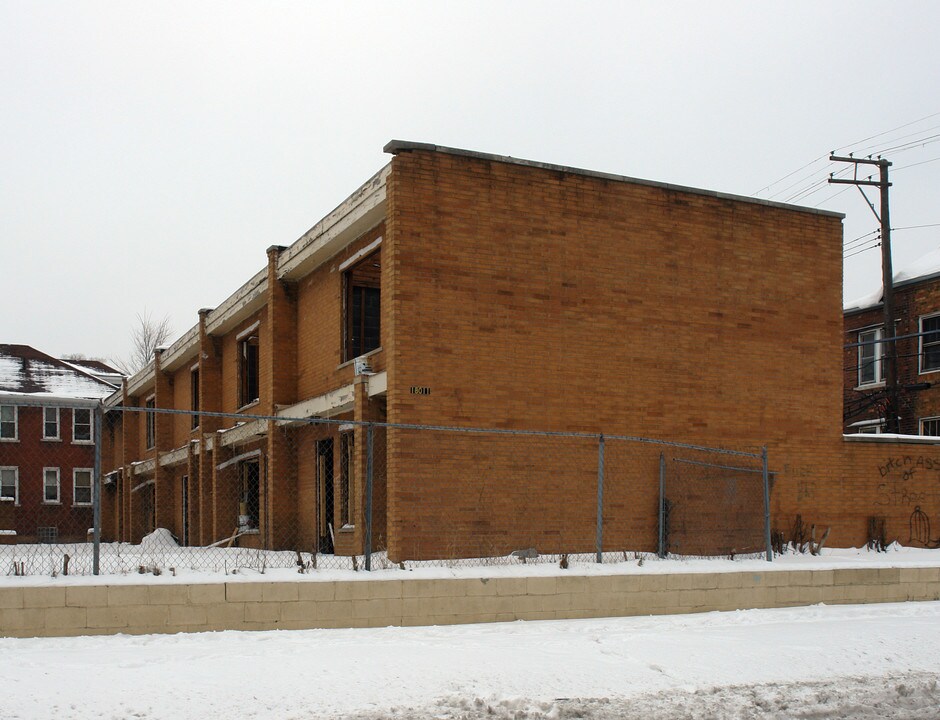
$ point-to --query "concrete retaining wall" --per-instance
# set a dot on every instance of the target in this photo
(176, 607)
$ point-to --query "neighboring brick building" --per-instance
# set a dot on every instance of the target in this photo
(487, 291)
(47, 438)
(917, 325)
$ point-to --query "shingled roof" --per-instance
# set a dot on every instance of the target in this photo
(27, 371)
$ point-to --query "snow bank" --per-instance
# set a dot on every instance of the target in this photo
(871, 661)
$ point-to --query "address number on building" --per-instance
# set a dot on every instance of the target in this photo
(415, 390)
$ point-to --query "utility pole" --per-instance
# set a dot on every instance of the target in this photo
(889, 354)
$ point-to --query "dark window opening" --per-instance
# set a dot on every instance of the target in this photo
(249, 507)
(184, 508)
(248, 370)
(363, 306)
(347, 474)
(325, 495)
(194, 393)
(151, 420)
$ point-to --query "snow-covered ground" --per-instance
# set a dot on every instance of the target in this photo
(872, 661)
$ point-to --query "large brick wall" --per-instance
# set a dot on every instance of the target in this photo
(532, 298)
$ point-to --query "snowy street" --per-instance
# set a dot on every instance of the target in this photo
(871, 661)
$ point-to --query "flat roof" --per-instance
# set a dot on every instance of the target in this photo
(394, 147)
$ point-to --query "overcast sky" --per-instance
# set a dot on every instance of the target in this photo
(151, 152)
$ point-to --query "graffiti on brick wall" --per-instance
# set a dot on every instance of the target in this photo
(907, 480)
(805, 480)
(920, 528)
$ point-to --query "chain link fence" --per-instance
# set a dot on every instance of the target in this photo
(713, 504)
(150, 490)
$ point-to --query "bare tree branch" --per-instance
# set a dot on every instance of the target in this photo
(148, 334)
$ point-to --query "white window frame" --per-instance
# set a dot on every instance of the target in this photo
(58, 424)
(16, 424)
(16, 483)
(877, 352)
(869, 427)
(920, 425)
(920, 348)
(91, 487)
(58, 486)
(91, 427)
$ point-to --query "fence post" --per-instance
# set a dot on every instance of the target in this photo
(661, 548)
(368, 499)
(600, 497)
(767, 539)
(98, 429)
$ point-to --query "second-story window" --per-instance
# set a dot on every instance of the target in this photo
(870, 352)
(8, 429)
(151, 422)
(363, 306)
(248, 370)
(51, 491)
(194, 396)
(81, 425)
(81, 486)
(50, 423)
(930, 343)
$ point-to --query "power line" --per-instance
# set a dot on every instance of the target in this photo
(924, 162)
(815, 186)
(870, 232)
(802, 180)
(899, 137)
(799, 169)
(830, 198)
(887, 132)
(911, 145)
(915, 227)
(859, 252)
(858, 142)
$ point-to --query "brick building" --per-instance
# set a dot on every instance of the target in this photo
(487, 291)
(47, 438)
(917, 325)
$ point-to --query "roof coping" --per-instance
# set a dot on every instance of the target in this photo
(394, 147)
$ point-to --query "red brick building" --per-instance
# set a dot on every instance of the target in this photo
(487, 291)
(917, 327)
(47, 439)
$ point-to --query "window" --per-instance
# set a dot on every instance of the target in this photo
(869, 427)
(347, 474)
(870, 352)
(363, 305)
(930, 343)
(930, 426)
(50, 423)
(8, 429)
(50, 486)
(249, 507)
(248, 370)
(81, 425)
(81, 486)
(9, 485)
(194, 396)
(150, 418)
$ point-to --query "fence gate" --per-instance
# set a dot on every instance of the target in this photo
(714, 506)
